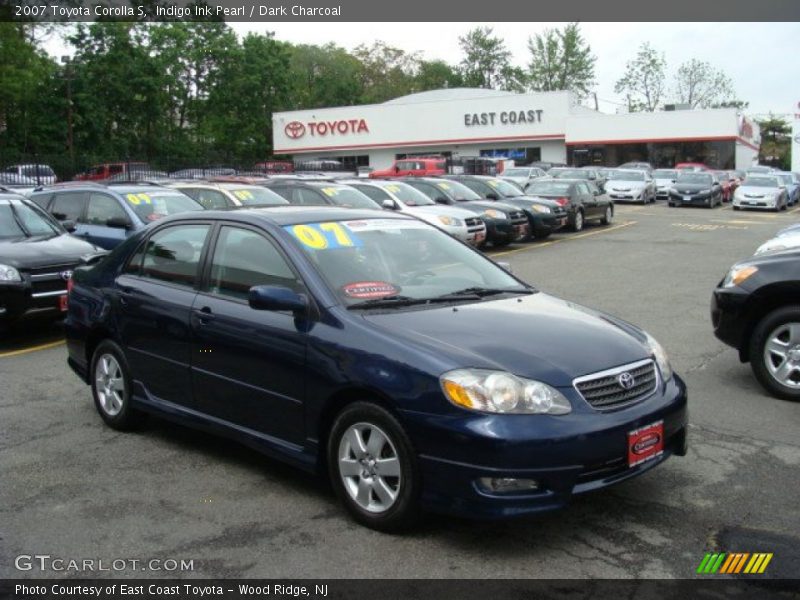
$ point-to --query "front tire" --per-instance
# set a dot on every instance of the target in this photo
(775, 352)
(111, 387)
(373, 468)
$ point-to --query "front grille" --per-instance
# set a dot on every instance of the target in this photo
(474, 224)
(605, 390)
(518, 217)
(47, 281)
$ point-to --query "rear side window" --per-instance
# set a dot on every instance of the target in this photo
(103, 207)
(173, 255)
(41, 200)
(243, 259)
(375, 193)
(68, 206)
(210, 199)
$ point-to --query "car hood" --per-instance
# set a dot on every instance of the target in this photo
(538, 336)
(755, 190)
(35, 252)
(663, 182)
(525, 200)
(442, 209)
(482, 205)
(625, 185)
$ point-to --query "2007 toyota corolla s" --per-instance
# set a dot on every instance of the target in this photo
(419, 373)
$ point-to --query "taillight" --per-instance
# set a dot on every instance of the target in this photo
(562, 201)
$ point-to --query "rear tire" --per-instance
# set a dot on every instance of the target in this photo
(373, 468)
(577, 225)
(112, 389)
(608, 216)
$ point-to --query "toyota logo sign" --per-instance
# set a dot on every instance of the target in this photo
(66, 275)
(294, 130)
(626, 381)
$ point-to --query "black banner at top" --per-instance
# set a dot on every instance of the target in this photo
(397, 11)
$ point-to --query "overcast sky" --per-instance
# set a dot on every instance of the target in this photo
(761, 58)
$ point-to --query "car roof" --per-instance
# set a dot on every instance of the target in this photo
(286, 214)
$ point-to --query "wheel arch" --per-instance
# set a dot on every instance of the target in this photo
(763, 302)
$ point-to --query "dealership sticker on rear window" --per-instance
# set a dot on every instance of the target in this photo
(137, 199)
(243, 194)
(370, 289)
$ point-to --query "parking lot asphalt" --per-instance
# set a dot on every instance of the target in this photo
(73, 488)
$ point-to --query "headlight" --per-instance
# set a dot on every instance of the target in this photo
(8, 273)
(738, 274)
(451, 221)
(662, 360)
(540, 209)
(501, 392)
(494, 214)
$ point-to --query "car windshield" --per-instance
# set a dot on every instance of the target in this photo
(348, 197)
(152, 204)
(456, 190)
(516, 173)
(407, 195)
(399, 262)
(505, 188)
(627, 176)
(664, 174)
(760, 170)
(722, 175)
(18, 219)
(572, 174)
(761, 182)
(548, 188)
(253, 195)
(697, 178)
(786, 179)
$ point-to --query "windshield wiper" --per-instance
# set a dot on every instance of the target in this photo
(386, 301)
(18, 220)
(480, 292)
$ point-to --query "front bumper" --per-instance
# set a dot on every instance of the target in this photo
(729, 317)
(631, 196)
(505, 231)
(566, 455)
(765, 203)
(18, 301)
(690, 199)
(543, 224)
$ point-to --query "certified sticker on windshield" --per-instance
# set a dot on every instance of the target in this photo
(366, 290)
(384, 224)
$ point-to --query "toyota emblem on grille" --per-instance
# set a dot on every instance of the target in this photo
(66, 275)
(626, 381)
(294, 130)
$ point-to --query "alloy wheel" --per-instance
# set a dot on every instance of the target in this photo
(109, 385)
(369, 467)
(782, 355)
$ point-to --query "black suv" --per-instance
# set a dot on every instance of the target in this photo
(544, 216)
(756, 309)
(37, 257)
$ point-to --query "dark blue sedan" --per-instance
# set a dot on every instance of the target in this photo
(417, 372)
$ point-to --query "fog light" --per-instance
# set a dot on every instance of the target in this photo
(507, 485)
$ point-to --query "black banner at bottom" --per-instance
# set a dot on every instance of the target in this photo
(389, 589)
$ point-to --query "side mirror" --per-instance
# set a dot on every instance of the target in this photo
(596, 192)
(69, 225)
(492, 197)
(441, 200)
(90, 259)
(119, 223)
(389, 204)
(276, 297)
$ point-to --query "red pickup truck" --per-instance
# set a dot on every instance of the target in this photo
(413, 167)
(108, 170)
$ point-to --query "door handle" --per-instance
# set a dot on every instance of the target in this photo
(124, 295)
(204, 315)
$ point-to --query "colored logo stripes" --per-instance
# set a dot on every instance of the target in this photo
(734, 562)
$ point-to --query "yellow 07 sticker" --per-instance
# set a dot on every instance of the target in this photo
(139, 199)
(321, 236)
(243, 194)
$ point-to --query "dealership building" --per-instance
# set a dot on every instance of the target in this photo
(539, 126)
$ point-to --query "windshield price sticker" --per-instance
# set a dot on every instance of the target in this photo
(330, 191)
(137, 199)
(322, 236)
(392, 188)
(443, 185)
(492, 183)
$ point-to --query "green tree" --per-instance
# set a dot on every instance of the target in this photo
(386, 72)
(436, 74)
(776, 134)
(322, 76)
(486, 61)
(561, 60)
(250, 87)
(643, 81)
(700, 85)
